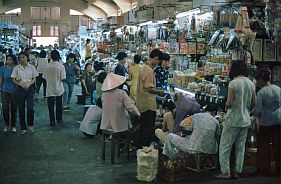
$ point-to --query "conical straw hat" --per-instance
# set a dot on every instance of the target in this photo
(112, 81)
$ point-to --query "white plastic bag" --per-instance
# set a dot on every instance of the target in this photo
(147, 164)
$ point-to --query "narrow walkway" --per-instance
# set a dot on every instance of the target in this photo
(62, 155)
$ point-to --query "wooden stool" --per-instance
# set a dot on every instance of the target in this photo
(201, 162)
(114, 140)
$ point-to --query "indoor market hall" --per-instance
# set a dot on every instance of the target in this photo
(140, 91)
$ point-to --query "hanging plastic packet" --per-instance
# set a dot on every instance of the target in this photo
(214, 37)
(231, 38)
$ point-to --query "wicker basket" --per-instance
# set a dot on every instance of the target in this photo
(172, 170)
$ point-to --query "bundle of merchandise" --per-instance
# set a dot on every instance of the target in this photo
(273, 20)
(147, 164)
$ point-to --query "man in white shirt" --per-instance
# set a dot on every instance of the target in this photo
(54, 73)
(40, 65)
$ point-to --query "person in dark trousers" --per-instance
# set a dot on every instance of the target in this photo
(24, 76)
(54, 74)
(267, 109)
(88, 83)
(72, 70)
(8, 92)
(40, 65)
(146, 98)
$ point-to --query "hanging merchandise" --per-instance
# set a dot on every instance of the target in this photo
(193, 23)
(214, 37)
(243, 23)
(273, 20)
(229, 15)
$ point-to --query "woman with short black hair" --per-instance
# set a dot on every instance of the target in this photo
(8, 94)
(88, 83)
(120, 68)
(267, 109)
(241, 98)
(24, 76)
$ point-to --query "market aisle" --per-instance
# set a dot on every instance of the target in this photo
(63, 155)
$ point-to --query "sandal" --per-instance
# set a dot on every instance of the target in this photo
(224, 176)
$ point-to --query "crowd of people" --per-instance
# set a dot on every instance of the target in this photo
(127, 97)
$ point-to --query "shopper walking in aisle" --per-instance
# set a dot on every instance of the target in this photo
(146, 98)
(241, 98)
(120, 68)
(88, 83)
(24, 76)
(40, 66)
(54, 74)
(268, 108)
(134, 71)
(8, 92)
(88, 50)
(72, 70)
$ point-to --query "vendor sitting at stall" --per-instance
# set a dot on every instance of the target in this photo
(203, 139)
(186, 105)
(169, 115)
(91, 122)
(117, 105)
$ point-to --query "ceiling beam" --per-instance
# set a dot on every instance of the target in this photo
(109, 8)
(125, 5)
(87, 9)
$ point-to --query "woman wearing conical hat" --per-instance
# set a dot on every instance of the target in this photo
(116, 104)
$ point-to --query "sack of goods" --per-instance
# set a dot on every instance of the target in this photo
(147, 164)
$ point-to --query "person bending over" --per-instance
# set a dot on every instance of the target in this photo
(91, 121)
(203, 139)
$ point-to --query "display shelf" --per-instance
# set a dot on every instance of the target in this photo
(185, 91)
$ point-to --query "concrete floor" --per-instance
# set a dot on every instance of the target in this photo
(62, 155)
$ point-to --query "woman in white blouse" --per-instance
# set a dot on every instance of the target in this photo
(24, 76)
